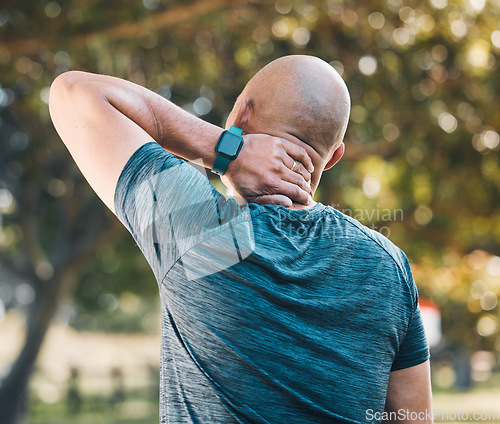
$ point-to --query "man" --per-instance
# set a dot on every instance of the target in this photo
(281, 310)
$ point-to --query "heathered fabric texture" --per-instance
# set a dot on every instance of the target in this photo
(269, 315)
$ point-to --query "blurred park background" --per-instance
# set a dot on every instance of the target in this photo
(79, 324)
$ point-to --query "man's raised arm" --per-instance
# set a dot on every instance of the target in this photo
(103, 120)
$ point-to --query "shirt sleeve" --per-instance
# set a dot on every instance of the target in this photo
(414, 349)
(169, 207)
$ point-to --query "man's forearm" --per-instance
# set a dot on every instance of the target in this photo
(175, 129)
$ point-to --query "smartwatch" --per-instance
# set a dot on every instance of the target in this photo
(227, 148)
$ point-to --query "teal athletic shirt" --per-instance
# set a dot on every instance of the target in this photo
(269, 315)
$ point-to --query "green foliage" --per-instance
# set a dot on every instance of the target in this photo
(422, 146)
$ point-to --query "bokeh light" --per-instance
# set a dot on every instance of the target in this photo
(367, 65)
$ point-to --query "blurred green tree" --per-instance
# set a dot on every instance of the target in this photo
(422, 147)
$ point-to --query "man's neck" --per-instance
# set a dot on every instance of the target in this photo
(296, 206)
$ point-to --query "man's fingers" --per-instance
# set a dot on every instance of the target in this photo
(302, 175)
(274, 199)
(294, 192)
(299, 154)
(297, 179)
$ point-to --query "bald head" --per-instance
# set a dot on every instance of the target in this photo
(303, 96)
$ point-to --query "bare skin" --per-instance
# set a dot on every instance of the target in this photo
(409, 395)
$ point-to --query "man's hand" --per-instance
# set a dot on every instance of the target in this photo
(271, 170)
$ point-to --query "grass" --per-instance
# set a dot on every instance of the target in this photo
(135, 409)
(141, 407)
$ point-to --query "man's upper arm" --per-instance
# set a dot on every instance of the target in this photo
(409, 395)
(98, 136)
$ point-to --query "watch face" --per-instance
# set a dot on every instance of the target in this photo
(229, 144)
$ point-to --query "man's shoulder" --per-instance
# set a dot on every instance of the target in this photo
(328, 223)
(374, 239)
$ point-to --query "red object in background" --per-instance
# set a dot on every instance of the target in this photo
(431, 317)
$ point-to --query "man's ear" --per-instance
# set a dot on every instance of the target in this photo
(336, 156)
(242, 115)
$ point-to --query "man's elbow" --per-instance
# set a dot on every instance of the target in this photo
(64, 86)
(59, 91)
(71, 95)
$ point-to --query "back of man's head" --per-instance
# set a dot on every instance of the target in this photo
(301, 95)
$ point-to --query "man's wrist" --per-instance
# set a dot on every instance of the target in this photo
(227, 149)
